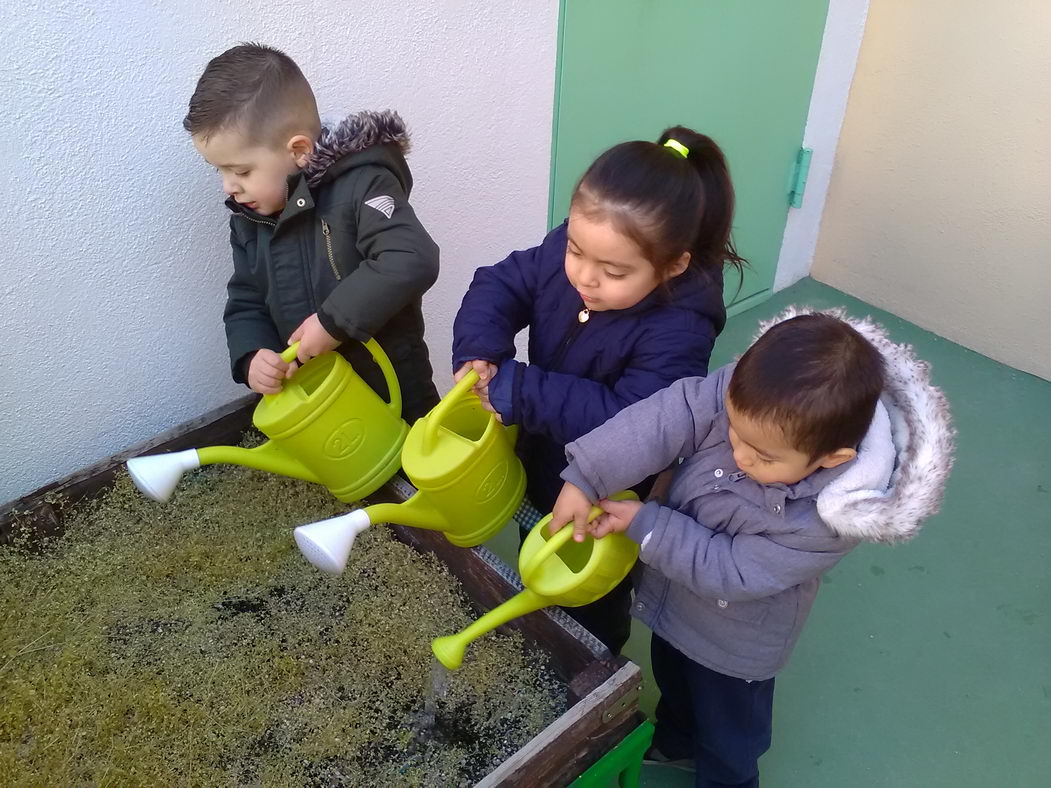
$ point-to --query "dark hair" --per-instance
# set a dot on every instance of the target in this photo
(665, 203)
(258, 89)
(816, 378)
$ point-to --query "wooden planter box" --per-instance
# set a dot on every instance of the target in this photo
(603, 691)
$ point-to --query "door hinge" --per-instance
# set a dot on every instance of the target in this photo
(802, 169)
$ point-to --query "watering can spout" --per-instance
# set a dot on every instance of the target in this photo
(327, 543)
(450, 649)
(415, 512)
(267, 457)
(157, 475)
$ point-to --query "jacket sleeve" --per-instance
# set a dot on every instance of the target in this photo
(497, 305)
(247, 319)
(563, 407)
(644, 438)
(399, 261)
(733, 567)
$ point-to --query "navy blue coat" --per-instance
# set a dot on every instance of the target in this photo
(579, 374)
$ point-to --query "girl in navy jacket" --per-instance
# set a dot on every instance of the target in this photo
(621, 300)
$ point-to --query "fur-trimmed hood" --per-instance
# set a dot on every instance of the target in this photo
(356, 133)
(898, 479)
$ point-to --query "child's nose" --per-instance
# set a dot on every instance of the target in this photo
(589, 277)
(230, 188)
(743, 459)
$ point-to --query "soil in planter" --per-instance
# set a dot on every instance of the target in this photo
(191, 644)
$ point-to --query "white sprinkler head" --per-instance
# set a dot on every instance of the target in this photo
(156, 475)
(326, 544)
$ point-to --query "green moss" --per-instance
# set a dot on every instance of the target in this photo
(190, 643)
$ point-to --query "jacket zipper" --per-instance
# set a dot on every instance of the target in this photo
(247, 218)
(574, 331)
(327, 232)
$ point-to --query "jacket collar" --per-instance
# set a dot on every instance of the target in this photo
(299, 201)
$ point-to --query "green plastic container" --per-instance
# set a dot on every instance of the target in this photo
(555, 570)
(335, 425)
(462, 462)
(325, 426)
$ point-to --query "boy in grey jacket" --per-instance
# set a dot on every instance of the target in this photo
(824, 434)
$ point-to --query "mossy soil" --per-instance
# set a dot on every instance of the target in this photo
(191, 644)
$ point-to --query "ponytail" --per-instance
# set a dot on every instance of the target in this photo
(667, 202)
(713, 245)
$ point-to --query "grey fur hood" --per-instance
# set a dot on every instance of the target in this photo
(898, 479)
(355, 134)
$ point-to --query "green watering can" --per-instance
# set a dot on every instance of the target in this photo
(555, 570)
(469, 481)
(325, 426)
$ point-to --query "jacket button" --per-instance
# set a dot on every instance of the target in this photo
(723, 603)
(777, 508)
(718, 473)
(640, 606)
(301, 202)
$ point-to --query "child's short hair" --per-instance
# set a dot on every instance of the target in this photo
(816, 378)
(257, 89)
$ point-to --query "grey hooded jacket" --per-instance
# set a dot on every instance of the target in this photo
(730, 567)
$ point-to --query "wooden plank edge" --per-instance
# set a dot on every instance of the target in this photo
(223, 424)
(598, 721)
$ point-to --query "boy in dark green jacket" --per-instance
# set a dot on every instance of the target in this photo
(326, 246)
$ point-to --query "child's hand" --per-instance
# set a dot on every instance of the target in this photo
(486, 372)
(266, 371)
(615, 518)
(313, 339)
(483, 395)
(571, 506)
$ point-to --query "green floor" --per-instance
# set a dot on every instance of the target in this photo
(927, 664)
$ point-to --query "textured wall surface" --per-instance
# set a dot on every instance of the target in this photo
(939, 208)
(115, 251)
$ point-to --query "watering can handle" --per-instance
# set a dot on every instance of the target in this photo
(437, 416)
(393, 388)
(553, 545)
(289, 354)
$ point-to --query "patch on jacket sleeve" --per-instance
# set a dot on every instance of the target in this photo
(384, 204)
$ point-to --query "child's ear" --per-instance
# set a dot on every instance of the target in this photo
(300, 146)
(837, 457)
(677, 267)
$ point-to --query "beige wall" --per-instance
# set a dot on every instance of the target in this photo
(939, 208)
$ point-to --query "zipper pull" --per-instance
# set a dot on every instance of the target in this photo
(736, 477)
(325, 230)
(584, 315)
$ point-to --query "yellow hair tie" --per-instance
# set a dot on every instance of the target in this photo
(678, 147)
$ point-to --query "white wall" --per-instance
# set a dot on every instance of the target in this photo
(115, 241)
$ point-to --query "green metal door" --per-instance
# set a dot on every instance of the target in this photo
(740, 71)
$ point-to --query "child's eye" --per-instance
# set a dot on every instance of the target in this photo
(612, 275)
(242, 174)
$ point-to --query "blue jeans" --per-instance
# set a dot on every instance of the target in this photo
(722, 722)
